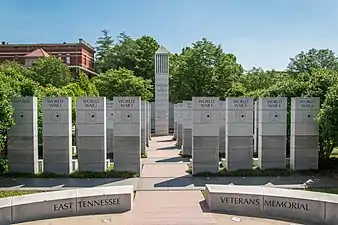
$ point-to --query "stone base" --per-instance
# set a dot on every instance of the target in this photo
(127, 154)
(22, 154)
(110, 141)
(187, 142)
(175, 131)
(205, 154)
(143, 140)
(57, 155)
(271, 152)
(304, 152)
(238, 153)
(92, 154)
(179, 135)
(222, 140)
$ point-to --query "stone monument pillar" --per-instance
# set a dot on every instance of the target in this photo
(22, 138)
(127, 134)
(152, 107)
(175, 122)
(143, 127)
(304, 136)
(150, 119)
(92, 133)
(222, 128)
(110, 127)
(179, 125)
(162, 91)
(171, 117)
(57, 135)
(147, 123)
(239, 134)
(255, 132)
(205, 134)
(272, 123)
(187, 128)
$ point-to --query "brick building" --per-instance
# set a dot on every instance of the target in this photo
(77, 56)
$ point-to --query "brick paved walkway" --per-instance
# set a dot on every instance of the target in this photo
(168, 207)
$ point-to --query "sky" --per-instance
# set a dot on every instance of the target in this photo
(261, 33)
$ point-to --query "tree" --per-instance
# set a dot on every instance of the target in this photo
(105, 45)
(50, 70)
(328, 121)
(203, 70)
(304, 62)
(123, 82)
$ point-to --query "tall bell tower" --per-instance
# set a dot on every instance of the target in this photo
(162, 91)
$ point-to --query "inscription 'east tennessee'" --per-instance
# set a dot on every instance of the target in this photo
(91, 103)
(206, 103)
(271, 203)
(87, 204)
(129, 103)
(55, 103)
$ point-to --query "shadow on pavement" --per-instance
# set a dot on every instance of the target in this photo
(188, 180)
(168, 140)
(66, 182)
(168, 148)
(204, 206)
(174, 159)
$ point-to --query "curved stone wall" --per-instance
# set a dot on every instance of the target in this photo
(56, 204)
(277, 203)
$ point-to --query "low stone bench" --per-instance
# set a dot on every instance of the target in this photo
(56, 204)
(276, 203)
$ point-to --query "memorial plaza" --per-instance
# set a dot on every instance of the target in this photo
(180, 158)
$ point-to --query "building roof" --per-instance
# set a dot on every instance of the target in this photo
(162, 50)
(37, 53)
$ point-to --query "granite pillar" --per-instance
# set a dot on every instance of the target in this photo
(179, 125)
(127, 134)
(92, 133)
(304, 134)
(150, 119)
(110, 127)
(187, 128)
(152, 106)
(239, 134)
(272, 123)
(22, 138)
(222, 128)
(147, 123)
(175, 122)
(255, 132)
(57, 135)
(162, 91)
(205, 134)
(143, 127)
(171, 117)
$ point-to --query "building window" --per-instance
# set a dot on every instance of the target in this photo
(68, 59)
(85, 61)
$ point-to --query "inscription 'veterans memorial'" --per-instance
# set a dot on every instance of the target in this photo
(266, 203)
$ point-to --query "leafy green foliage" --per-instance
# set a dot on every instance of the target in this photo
(50, 70)
(122, 82)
